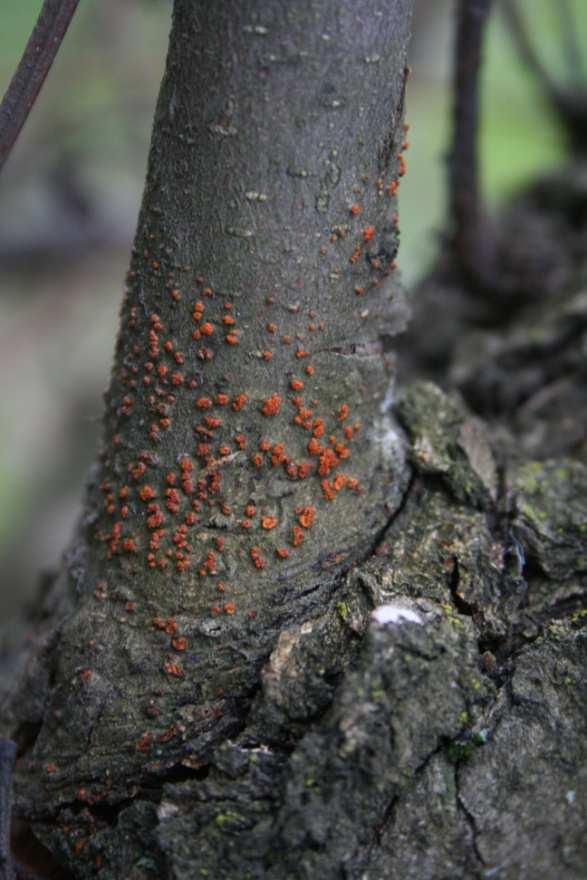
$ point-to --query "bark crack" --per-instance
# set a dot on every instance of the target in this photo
(470, 821)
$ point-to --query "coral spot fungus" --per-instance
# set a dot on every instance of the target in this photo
(272, 405)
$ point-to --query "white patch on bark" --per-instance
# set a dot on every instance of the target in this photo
(388, 439)
(166, 810)
(396, 613)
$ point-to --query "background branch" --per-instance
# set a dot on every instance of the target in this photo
(519, 33)
(471, 247)
(569, 103)
(571, 45)
(34, 66)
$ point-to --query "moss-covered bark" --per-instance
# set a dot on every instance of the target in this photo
(428, 721)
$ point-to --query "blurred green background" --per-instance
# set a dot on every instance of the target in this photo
(68, 203)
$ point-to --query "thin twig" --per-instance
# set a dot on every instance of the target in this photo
(34, 66)
(471, 239)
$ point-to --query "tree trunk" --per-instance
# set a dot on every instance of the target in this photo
(294, 637)
(249, 455)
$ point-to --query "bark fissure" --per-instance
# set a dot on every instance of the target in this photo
(470, 821)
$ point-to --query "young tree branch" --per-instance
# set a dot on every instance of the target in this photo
(34, 66)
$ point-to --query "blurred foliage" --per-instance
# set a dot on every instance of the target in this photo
(84, 149)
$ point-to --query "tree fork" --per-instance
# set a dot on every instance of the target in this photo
(249, 454)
